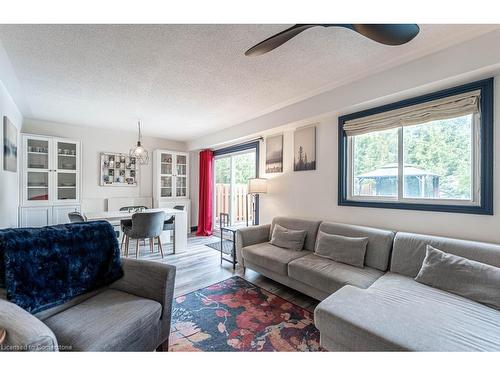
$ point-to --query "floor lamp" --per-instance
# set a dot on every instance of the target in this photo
(256, 186)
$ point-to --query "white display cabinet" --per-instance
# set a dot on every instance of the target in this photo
(171, 176)
(50, 179)
(171, 179)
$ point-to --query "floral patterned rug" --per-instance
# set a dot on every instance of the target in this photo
(235, 315)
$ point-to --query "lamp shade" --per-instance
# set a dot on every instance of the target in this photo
(139, 152)
(257, 185)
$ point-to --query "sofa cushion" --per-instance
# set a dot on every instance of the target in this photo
(110, 321)
(288, 238)
(398, 313)
(271, 257)
(310, 226)
(328, 275)
(45, 314)
(470, 279)
(409, 251)
(379, 245)
(348, 250)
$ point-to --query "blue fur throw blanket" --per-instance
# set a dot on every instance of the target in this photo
(45, 267)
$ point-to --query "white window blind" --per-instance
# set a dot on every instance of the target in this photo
(440, 109)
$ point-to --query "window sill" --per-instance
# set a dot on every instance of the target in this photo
(464, 209)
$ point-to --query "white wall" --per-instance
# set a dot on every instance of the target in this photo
(9, 181)
(313, 194)
(94, 141)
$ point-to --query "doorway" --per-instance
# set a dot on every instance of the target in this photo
(234, 166)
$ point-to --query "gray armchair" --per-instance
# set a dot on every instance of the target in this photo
(154, 281)
(132, 314)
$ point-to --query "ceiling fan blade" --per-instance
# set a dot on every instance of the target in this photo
(389, 34)
(277, 40)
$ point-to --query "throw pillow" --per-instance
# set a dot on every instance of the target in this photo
(348, 250)
(288, 238)
(477, 281)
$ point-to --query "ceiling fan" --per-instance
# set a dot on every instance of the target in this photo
(390, 34)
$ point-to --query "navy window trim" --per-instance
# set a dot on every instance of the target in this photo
(486, 157)
(243, 147)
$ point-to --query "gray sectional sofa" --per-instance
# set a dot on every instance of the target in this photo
(379, 307)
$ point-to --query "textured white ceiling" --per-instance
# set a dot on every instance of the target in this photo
(185, 81)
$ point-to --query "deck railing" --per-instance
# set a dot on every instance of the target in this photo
(223, 196)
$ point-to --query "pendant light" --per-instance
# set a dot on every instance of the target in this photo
(139, 152)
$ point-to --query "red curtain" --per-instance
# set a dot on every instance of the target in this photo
(206, 197)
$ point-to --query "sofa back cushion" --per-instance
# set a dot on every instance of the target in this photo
(378, 249)
(477, 281)
(409, 251)
(348, 250)
(288, 238)
(48, 266)
(310, 226)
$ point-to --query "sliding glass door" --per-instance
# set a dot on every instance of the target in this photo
(232, 172)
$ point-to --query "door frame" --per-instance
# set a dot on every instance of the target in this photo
(244, 147)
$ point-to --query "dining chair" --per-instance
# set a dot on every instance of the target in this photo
(169, 224)
(76, 217)
(133, 208)
(145, 225)
(128, 222)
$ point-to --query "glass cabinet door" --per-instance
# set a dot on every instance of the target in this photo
(166, 175)
(180, 186)
(66, 186)
(166, 164)
(181, 176)
(66, 156)
(171, 178)
(181, 165)
(37, 170)
(166, 186)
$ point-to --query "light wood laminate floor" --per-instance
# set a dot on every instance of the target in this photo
(199, 266)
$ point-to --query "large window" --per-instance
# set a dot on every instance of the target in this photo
(433, 152)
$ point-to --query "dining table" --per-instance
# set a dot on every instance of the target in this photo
(180, 222)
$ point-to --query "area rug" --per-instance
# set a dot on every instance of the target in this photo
(235, 315)
(227, 246)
